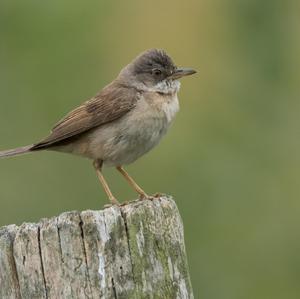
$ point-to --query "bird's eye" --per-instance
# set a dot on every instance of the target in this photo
(156, 72)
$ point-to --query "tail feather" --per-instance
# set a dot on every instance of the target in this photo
(15, 151)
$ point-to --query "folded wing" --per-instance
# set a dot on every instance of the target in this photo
(113, 102)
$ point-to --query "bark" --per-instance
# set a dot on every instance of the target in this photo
(133, 251)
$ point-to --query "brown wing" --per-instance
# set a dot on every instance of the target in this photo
(111, 103)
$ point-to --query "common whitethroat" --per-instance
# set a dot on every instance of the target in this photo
(125, 120)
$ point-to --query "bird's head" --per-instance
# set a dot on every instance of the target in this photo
(154, 70)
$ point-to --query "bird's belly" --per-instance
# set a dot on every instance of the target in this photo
(133, 141)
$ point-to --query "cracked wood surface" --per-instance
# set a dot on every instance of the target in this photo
(133, 251)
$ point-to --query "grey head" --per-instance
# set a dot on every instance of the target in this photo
(154, 70)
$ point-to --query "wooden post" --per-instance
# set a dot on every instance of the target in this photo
(133, 251)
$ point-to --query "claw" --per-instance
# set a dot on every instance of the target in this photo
(143, 196)
(157, 195)
(108, 205)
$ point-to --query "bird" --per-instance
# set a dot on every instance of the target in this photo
(123, 121)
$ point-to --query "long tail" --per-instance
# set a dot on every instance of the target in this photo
(15, 151)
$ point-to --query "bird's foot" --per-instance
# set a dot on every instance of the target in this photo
(144, 196)
(124, 203)
(157, 195)
(108, 205)
(150, 197)
(114, 202)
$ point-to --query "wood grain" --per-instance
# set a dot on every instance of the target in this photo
(132, 251)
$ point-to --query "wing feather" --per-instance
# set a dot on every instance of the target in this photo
(111, 103)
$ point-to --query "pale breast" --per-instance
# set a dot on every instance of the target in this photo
(170, 108)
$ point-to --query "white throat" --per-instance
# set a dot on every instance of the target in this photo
(165, 86)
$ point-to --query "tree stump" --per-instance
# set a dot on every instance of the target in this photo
(132, 251)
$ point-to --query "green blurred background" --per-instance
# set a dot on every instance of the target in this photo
(231, 159)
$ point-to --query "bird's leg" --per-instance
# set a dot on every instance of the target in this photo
(132, 183)
(98, 166)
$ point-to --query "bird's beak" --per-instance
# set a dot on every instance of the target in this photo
(181, 72)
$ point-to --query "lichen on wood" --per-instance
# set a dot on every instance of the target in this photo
(132, 251)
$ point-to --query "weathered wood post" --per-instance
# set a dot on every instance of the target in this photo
(133, 251)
